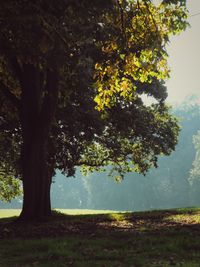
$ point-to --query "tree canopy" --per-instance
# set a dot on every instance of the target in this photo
(73, 77)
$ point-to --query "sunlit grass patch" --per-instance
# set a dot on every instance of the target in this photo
(117, 216)
(186, 219)
(185, 216)
(83, 211)
(5, 213)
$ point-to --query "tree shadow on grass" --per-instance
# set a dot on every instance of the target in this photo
(60, 225)
(151, 239)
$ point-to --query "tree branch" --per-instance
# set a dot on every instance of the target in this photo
(123, 30)
(10, 96)
(50, 99)
(152, 17)
(16, 68)
(102, 163)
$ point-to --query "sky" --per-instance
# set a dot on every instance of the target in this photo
(184, 59)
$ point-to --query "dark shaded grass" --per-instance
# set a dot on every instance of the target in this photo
(157, 238)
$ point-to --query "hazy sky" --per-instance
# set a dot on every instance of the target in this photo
(184, 59)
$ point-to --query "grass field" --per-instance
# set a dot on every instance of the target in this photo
(156, 238)
(5, 213)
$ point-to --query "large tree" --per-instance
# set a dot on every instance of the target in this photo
(73, 77)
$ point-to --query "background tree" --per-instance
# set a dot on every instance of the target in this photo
(195, 172)
(55, 60)
(194, 177)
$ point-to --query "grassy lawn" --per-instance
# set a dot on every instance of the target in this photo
(4, 213)
(157, 238)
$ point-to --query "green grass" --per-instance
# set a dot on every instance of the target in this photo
(4, 213)
(103, 238)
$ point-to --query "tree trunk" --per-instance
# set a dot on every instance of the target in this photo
(36, 182)
(38, 105)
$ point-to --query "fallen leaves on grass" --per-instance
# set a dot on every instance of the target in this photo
(64, 225)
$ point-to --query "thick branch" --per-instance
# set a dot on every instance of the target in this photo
(122, 16)
(16, 68)
(50, 99)
(10, 96)
(123, 30)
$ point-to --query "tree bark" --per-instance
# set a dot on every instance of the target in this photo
(36, 182)
(37, 115)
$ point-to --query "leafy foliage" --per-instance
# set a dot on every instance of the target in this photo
(161, 188)
(10, 187)
(137, 52)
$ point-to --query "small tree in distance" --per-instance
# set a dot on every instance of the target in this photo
(194, 177)
(73, 74)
